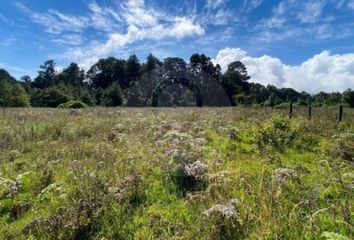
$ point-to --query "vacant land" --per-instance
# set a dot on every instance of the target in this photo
(233, 173)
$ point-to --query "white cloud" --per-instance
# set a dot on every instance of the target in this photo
(126, 23)
(69, 39)
(256, 3)
(180, 28)
(103, 18)
(135, 13)
(250, 5)
(54, 21)
(16, 70)
(311, 12)
(215, 3)
(322, 72)
(3, 18)
(142, 24)
(8, 41)
(351, 4)
(216, 13)
(277, 20)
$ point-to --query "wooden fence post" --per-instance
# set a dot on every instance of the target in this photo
(310, 112)
(340, 113)
(291, 110)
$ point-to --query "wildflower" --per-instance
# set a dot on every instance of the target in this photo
(221, 177)
(50, 225)
(125, 188)
(196, 170)
(12, 187)
(281, 174)
(13, 155)
(227, 210)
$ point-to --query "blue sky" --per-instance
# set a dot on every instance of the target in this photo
(308, 45)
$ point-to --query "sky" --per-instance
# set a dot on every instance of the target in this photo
(306, 45)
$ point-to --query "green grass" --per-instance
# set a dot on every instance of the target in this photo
(112, 174)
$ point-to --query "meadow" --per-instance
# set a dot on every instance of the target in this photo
(176, 173)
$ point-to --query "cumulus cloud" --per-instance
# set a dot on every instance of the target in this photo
(323, 72)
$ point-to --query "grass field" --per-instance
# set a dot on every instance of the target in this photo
(224, 173)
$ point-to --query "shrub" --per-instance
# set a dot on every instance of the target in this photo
(333, 236)
(73, 104)
(190, 177)
(278, 133)
(343, 146)
(113, 96)
(49, 97)
(225, 220)
(13, 95)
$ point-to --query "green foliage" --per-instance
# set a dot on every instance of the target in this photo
(168, 174)
(12, 94)
(49, 97)
(73, 104)
(235, 83)
(153, 83)
(348, 97)
(279, 132)
(45, 76)
(112, 97)
(333, 236)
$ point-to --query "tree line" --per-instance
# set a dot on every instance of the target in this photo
(115, 82)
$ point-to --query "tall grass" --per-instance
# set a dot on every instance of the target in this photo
(224, 173)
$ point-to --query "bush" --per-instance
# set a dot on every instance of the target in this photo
(73, 104)
(112, 97)
(190, 177)
(277, 132)
(13, 95)
(283, 106)
(348, 97)
(49, 97)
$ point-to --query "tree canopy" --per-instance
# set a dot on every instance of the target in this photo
(115, 82)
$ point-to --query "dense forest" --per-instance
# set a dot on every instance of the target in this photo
(116, 82)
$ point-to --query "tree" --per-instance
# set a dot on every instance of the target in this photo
(133, 69)
(173, 73)
(106, 72)
(17, 97)
(288, 95)
(120, 73)
(320, 98)
(26, 79)
(101, 74)
(12, 94)
(235, 80)
(135, 95)
(113, 96)
(273, 100)
(304, 99)
(201, 63)
(45, 76)
(348, 97)
(49, 97)
(71, 75)
(151, 64)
